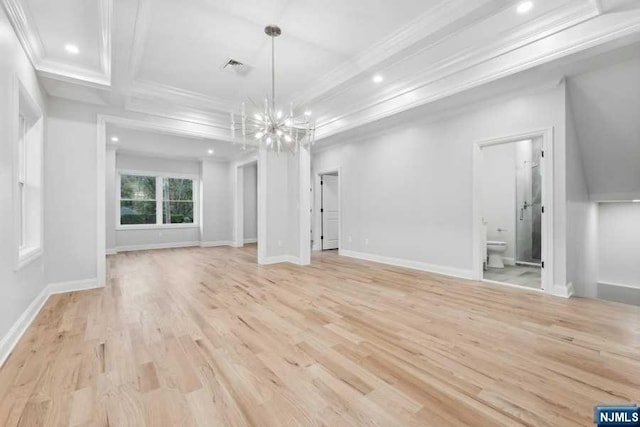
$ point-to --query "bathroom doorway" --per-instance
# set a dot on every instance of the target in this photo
(509, 203)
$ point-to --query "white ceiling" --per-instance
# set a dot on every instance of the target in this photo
(149, 143)
(163, 57)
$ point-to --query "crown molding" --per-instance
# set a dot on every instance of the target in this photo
(152, 91)
(485, 72)
(22, 22)
(557, 20)
(426, 24)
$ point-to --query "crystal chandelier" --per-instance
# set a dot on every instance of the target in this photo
(271, 128)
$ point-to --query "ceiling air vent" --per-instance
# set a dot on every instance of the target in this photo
(236, 67)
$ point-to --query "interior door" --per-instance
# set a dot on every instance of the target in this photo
(330, 212)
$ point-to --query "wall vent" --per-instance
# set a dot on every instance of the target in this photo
(236, 67)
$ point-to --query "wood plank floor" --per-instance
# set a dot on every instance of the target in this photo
(203, 336)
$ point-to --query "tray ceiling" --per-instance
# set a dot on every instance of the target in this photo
(164, 58)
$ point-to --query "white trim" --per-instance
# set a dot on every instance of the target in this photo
(262, 205)
(111, 251)
(11, 338)
(159, 199)
(317, 230)
(547, 279)
(216, 244)
(101, 201)
(72, 286)
(304, 206)
(237, 169)
(126, 227)
(511, 285)
(17, 330)
(564, 291)
(27, 32)
(414, 265)
(279, 259)
(34, 112)
(254, 240)
(154, 246)
(618, 285)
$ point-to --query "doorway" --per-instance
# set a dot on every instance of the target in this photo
(250, 204)
(512, 209)
(329, 211)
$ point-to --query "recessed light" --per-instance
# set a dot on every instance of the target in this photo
(115, 139)
(378, 78)
(72, 49)
(210, 151)
(307, 113)
(525, 7)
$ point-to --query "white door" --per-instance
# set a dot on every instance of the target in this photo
(330, 212)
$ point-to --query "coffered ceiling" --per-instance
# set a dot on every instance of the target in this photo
(165, 57)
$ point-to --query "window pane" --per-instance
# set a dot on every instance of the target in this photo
(138, 187)
(133, 212)
(178, 189)
(177, 212)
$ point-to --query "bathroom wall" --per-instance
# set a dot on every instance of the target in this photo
(499, 196)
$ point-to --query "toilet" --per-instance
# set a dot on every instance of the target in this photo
(495, 249)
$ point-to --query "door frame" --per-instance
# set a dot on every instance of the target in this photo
(547, 172)
(317, 229)
(238, 198)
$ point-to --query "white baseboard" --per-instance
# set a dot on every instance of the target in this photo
(11, 338)
(253, 240)
(111, 251)
(215, 244)
(564, 291)
(73, 286)
(280, 259)
(153, 246)
(508, 261)
(618, 292)
(415, 265)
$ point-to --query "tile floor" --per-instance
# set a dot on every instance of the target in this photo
(523, 275)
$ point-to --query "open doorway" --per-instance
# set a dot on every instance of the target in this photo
(250, 204)
(512, 199)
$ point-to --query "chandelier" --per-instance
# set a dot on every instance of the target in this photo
(271, 128)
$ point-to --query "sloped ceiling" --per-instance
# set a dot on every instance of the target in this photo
(606, 110)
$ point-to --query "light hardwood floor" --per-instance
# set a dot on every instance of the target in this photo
(203, 336)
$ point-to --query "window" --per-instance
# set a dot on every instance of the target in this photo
(177, 207)
(28, 179)
(157, 201)
(137, 199)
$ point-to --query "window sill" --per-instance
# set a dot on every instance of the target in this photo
(26, 256)
(154, 226)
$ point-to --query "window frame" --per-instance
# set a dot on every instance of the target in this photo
(159, 176)
(28, 133)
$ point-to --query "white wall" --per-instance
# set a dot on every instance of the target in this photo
(17, 288)
(250, 204)
(217, 206)
(71, 202)
(619, 243)
(582, 226)
(499, 195)
(132, 239)
(407, 181)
